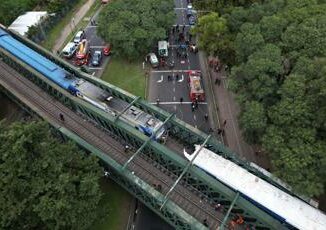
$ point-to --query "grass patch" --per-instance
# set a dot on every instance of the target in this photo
(125, 75)
(82, 24)
(55, 32)
(118, 200)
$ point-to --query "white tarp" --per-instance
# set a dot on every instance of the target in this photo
(23, 22)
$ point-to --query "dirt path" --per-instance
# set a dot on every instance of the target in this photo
(74, 21)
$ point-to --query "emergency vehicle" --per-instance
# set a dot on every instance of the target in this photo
(196, 89)
(163, 47)
(82, 53)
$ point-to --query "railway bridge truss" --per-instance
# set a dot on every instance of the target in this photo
(155, 173)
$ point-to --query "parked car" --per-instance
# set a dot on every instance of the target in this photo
(189, 6)
(107, 50)
(192, 20)
(69, 50)
(97, 58)
(79, 36)
(153, 60)
(189, 12)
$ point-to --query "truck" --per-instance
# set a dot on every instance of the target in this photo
(195, 85)
(163, 47)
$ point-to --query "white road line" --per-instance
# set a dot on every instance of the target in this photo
(169, 71)
(175, 108)
(181, 80)
(174, 90)
(180, 8)
(174, 98)
(91, 26)
(159, 81)
(182, 25)
(195, 117)
(95, 68)
(177, 103)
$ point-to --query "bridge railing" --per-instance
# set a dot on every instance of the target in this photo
(205, 185)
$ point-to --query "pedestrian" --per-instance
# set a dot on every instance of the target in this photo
(217, 207)
(177, 28)
(181, 100)
(62, 118)
(126, 148)
(183, 28)
(219, 131)
(217, 81)
(159, 187)
(224, 123)
(157, 101)
(190, 36)
(192, 107)
(210, 130)
(169, 78)
(206, 117)
(205, 222)
(177, 77)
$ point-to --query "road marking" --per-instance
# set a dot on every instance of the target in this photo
(196, 126)
(174, 90)
(96, 47)
(169, 71)
(181, 80)
(91, 26)
(174, 98)
(182, 25)
(195, 117)
(95, 68)
(175, 108)
(159, 81)
(180, 8)
(177, 103)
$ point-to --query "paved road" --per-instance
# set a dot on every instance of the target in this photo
(168, 92)
(95, 43)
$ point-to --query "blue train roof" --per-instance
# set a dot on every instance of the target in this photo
(35, 60)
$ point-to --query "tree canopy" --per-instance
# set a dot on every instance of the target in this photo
(133, 27)
(45, 184)
(278, 72)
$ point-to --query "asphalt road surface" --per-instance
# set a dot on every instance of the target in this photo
(171, 93)
(95, 43)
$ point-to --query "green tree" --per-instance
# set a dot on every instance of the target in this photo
(272, 27)
(254, 121)
(211, 29)
(248, 41)
(133, 27)
(45, 184)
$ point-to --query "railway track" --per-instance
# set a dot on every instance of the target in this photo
(184, 196)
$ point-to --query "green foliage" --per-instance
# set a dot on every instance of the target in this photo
(45, 184)
(134, 26)
(280, 81)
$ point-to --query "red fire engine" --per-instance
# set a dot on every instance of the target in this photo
(82, 54)
(196, 89)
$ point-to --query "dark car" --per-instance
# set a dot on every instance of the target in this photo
(96, 58)
(192, 20)
(189, 12)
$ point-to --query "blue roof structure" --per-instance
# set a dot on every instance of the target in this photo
(41, 64)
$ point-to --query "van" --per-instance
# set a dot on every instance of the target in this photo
(153, 60)
(69, 50)
(79, 36)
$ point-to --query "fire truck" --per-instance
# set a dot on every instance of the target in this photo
(82, 54)
(196, 88)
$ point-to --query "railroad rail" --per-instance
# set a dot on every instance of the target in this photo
(158, 174)
(49, 109)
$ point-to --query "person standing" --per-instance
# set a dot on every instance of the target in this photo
(181, 100)
(206, 117)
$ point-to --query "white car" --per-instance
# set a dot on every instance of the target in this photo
(79, 36)
(151, 57)
(69, 50)
(189, 6)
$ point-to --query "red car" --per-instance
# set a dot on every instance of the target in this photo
(107, 50)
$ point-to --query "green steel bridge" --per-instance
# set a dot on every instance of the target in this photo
(157, 174)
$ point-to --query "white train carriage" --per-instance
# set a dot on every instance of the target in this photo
(259, 192)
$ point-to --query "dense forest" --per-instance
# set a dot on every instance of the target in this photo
(46, 184)
(277, 50)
